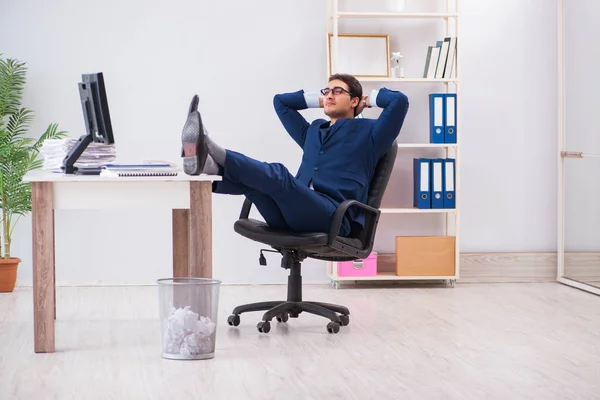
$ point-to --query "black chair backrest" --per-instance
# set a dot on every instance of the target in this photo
(379, 182)
(381, 176)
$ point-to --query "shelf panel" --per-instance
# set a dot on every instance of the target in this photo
(406, 80)
(388, 276)
(428, 145)
(349, 14)
(411, 210)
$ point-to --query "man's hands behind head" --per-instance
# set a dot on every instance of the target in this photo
(361, 105)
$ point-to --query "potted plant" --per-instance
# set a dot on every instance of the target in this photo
(18, 155)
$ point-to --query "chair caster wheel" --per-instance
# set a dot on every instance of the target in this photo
(345, 320)
(264, 326)
(233, 320)
(283, 317)
(333, 327)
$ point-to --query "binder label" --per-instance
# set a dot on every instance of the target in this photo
(438, 114)
(424, 177)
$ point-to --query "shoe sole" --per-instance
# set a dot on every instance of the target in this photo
(193, 147)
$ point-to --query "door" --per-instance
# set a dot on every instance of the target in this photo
(579, 145)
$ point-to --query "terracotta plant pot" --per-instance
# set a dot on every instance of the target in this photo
(8, 274)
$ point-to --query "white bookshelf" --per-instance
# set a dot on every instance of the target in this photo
(448, 17)
(407, 80)
(428, 145)
(342, 14)
(411, 210)
(390, 276)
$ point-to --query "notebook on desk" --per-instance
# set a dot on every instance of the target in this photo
(149, 169)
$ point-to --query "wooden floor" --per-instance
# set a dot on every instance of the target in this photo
(476, 341)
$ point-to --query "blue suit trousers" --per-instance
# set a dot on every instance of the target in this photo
(282, 200)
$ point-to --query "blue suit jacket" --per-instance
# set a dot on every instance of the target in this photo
(342, 165)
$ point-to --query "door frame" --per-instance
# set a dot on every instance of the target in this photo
(560, 253)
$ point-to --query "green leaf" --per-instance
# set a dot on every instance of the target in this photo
(12, 84)
(19, 152)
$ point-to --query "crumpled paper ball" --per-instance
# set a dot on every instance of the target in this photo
(187, 333)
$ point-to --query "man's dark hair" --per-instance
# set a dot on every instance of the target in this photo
(354, 86)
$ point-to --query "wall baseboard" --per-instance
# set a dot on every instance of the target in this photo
(507, 267)
(486, 267)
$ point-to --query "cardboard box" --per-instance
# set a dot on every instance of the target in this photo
(425, 255)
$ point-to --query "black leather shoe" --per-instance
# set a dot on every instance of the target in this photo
(193, 146)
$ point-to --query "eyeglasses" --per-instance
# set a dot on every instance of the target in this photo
(336, 91)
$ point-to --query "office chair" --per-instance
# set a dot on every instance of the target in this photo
(296, 247)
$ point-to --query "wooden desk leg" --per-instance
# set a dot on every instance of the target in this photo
(181, 243)
(200, 223)
(42, 212)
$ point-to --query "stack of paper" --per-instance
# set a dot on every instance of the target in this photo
(95, 155)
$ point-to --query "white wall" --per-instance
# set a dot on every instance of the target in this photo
(510, 67)
(236, 55)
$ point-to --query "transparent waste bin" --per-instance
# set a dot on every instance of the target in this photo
(188, 309)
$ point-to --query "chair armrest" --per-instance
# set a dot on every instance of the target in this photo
(246, 209)
(341, 210)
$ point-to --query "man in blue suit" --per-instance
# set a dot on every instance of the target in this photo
(338, 162)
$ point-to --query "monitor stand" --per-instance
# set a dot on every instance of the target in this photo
(74, 154)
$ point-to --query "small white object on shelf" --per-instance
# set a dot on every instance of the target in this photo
(397, 72)
(397, 69)
(396, 5)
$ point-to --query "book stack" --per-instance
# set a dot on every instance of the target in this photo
(54, 151)
(440, 62)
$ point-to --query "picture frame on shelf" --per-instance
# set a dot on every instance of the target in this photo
(363, 55)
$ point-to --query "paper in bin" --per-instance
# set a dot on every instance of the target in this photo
(187, 333)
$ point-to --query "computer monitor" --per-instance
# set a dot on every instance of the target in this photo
(96, 116)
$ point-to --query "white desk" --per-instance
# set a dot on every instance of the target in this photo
(190, 198)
